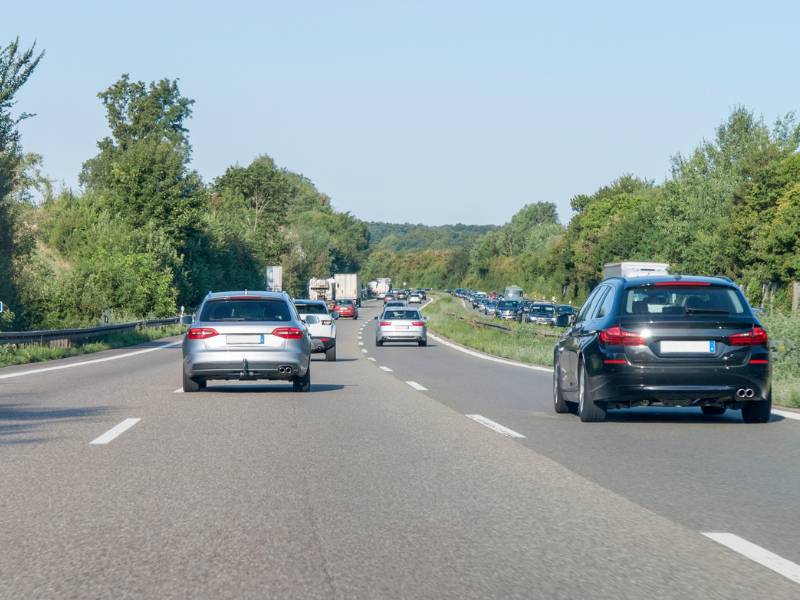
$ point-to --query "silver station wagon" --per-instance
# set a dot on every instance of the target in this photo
(247, 336)
(401, 324)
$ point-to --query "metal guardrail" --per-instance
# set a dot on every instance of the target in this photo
(69, 336)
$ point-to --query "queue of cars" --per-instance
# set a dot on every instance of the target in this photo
(518, 309)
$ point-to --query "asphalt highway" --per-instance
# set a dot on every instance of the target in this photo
(377, 485)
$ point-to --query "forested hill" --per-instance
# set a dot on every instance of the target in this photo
(406, 236)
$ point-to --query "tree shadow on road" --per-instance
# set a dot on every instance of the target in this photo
(20, 420)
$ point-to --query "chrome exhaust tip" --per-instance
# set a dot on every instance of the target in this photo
(741, 392)
(749, 393)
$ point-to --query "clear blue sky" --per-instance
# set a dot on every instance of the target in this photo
(426, 111)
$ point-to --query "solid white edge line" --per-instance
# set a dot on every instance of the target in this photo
(501, 429)
(483, 356)
(89, 362)
(786, 414)
(757, 554)
(417, 386)
(114, 432)
(387, 369)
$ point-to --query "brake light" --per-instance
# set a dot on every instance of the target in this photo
(759, 361)
(615, 361)
(616, 336)
(288, 333)
(682, 283)
(201, 333)
(755, 337)
(418, 323)
(384, 323)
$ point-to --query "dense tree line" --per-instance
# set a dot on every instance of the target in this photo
(145, 233)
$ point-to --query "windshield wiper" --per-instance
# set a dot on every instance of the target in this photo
(706, 311)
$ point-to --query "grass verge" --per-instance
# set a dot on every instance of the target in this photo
(534, 344)
(12, 354)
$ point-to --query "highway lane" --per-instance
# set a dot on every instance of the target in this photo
(362, 488)
(707, 473)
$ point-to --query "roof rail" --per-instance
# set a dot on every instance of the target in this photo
(725, 277)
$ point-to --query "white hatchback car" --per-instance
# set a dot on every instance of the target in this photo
(321, 325)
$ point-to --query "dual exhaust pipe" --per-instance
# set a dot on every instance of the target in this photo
(745, 393)
(285, 369)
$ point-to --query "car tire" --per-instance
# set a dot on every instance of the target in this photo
(302, 384)
(713, 411)
(423, 342)
(559, 404)
(757, 411)
(191, 385)
(330, 354)
(588, 410)
(379, 342)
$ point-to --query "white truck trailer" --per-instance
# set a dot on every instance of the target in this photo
(322, 288)
(274, 279)
(634, 269)
(348, 287)
(384, 287)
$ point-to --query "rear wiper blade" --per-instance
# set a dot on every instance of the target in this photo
(705, 311)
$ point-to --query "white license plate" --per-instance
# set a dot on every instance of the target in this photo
(238, 340)
(688, 347)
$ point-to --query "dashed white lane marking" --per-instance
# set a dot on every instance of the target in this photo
(417, 386)
(758, 554)
(786, 414)
(178, 391)
(360, 343)
(387, 369)
(89, 362)
(114, 432)
(483, 356)
(501, 429)
(364, 350)
(370, 358)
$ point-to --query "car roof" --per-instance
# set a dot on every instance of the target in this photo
(249, 293)
(309, 301)
(630, 282)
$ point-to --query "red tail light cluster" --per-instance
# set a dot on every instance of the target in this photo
(288, 333)
(384, 323)
(616, 336)
(417, 323)
(201, 333)
(755, 337)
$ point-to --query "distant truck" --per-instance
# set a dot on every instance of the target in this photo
(371, 289)
(634, 269)
(322, 288)
(348, 287)
(513, 292)
(274, 279)
(383, 287)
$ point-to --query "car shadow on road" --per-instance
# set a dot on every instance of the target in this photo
(260, 388)
(676, 415)
(20, 420)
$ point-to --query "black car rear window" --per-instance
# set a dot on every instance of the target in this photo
(682, 300)
(312, 309)
(504, 305)
(401, 315)
(543, 308)
(246, 310)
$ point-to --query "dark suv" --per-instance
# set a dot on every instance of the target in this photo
(666, 341)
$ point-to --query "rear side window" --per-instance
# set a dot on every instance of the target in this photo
(401, 315)
(588, 306)
(312, 309)
(606, 304)
(246, 310)
(682, 301)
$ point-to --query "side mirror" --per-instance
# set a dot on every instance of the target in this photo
(187, 320)
(375, 317)
(424, 318)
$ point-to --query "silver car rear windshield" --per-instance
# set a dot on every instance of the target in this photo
(682, 300)
(246, 310)
(312, 309)
(401, 315)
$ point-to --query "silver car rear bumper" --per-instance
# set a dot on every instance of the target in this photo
(246, 365)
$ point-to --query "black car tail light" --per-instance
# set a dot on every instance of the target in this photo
(755, 337)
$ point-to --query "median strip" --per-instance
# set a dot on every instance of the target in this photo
(114, 432)
(501, 429)
(758, 554)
